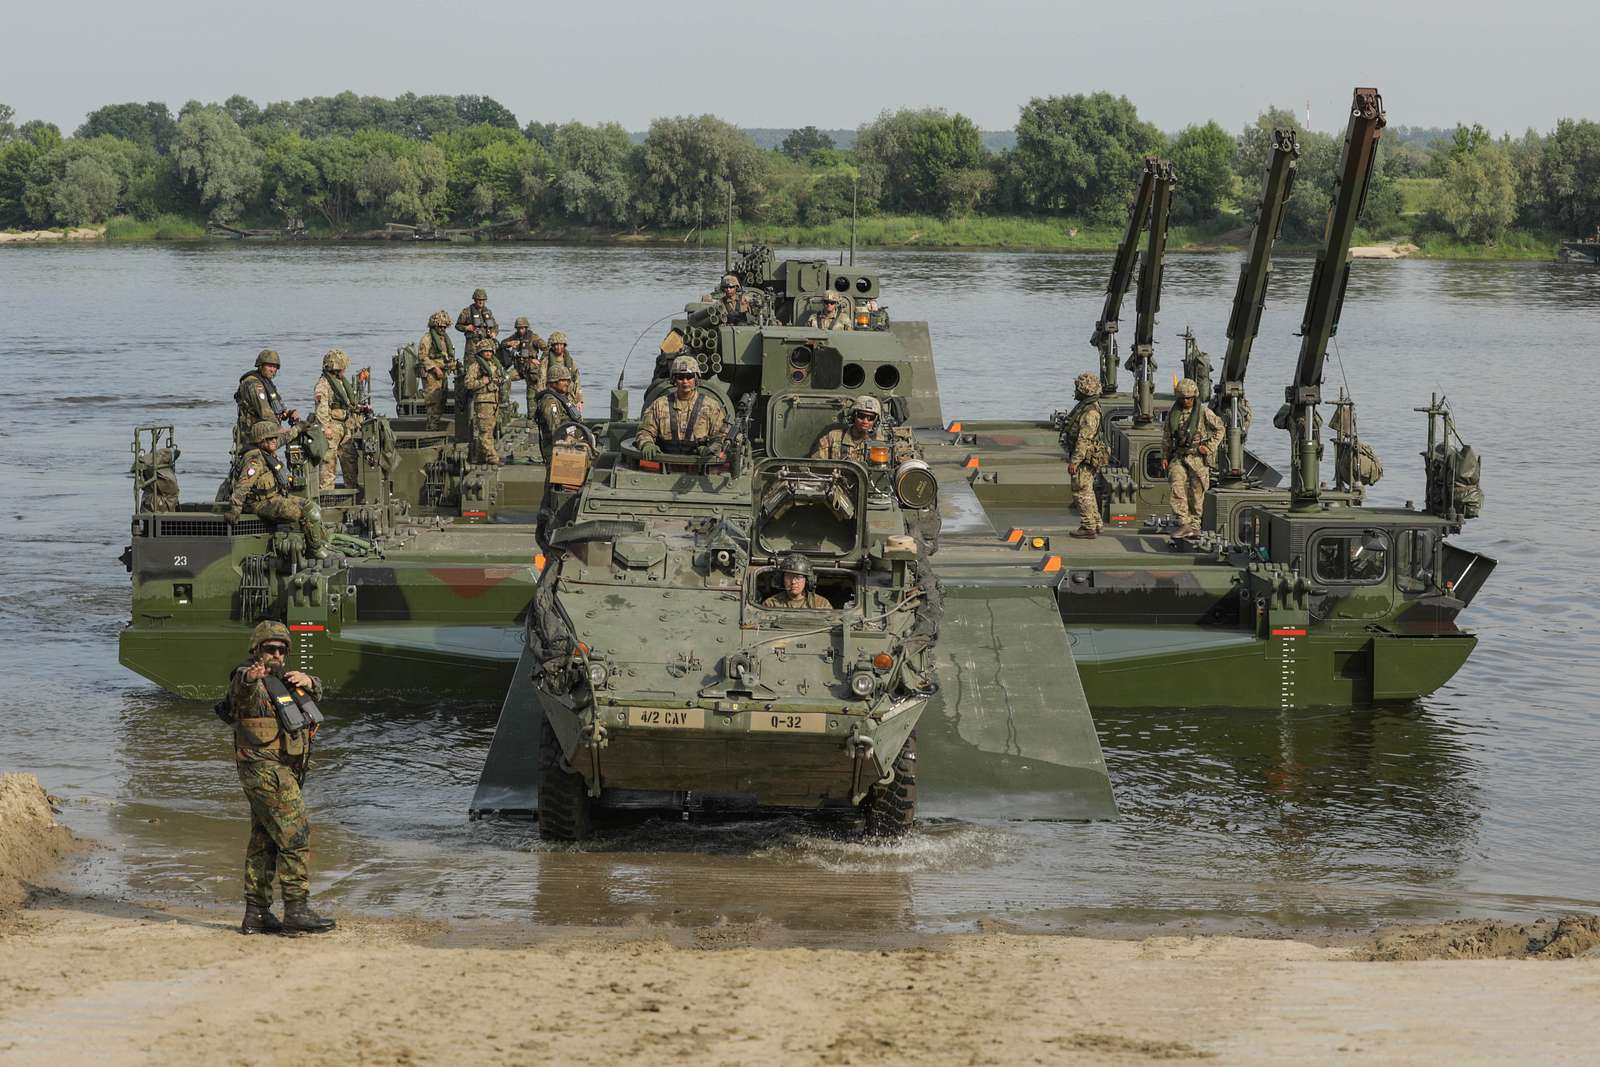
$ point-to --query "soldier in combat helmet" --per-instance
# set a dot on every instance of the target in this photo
(476, 320)
(553, 410)
(1189, 448)
(730, 297)
(484, 378)
(436, 362)
(558, 356)
(798, 578)
(852, 442)
(272, 763)
(257, 398)
(833, 316)
(339, 413)
(523, 351)
(263, 487)
(684, 420)
(1083, 438)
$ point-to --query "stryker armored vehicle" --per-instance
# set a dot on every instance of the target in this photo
(1294, 598)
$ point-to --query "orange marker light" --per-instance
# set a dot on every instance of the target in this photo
(883, 661)
(878, 455)
(1014, 537)
(538, 560)
(1051, 564)
(971, 463)
(955, 427)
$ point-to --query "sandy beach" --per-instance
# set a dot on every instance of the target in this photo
(84, 978)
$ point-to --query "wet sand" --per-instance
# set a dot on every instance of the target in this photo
(83, 977)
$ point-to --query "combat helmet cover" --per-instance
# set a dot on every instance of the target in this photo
(559, 337)
(522, 323)
(1187, 387)
(268, 358)
(439, 319)
(269, 630)
(730, 279)
(795, 563)
(559, 373)
(480, 294)
(864, 402)
(685, 365)
(262, 429)
(483, 344)
(335, 360)
(1087, 384)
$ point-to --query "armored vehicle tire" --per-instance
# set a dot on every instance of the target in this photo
(566, 811)
(891, 808)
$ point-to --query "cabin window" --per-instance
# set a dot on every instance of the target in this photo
(838, 586)
(1152, 466)
(1414, 563)
(1360, 557)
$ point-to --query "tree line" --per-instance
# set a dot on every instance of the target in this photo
(351, 162)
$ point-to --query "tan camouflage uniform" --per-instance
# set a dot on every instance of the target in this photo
(564, 358)
(839, 320)
(436, 361)
(339, 419)
(272, 767)
(1189, 472)
(657, 422)
(1087, 451)
(808, 600)
(841, 442)
(484, 379)
(735, 306)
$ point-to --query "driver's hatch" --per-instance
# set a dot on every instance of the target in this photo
(817, 507)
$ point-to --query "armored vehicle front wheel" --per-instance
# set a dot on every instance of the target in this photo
(566, 811)
(891, 808)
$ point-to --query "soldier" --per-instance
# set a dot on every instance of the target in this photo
(684, 420)
(523, 350)
(558, 356)
(436, 362)
(796, 592)
(1189, 447)
(476, 320)
(263, 487)
(258, 398)
(272, 763)
(852, 442)
(552, 410)
(339, 414)
(833, 316)
(483, 380)
(735, 305)
(1087, 452)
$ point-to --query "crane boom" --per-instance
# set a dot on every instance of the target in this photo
(1104, 337)
(1328, 281)
(1148, 300)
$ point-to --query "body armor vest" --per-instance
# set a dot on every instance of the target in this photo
(341, 399)
(273, 397)
(1073, 429)
(676, 431)
(1183, 428)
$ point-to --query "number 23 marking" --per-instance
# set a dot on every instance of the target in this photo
(180, 561)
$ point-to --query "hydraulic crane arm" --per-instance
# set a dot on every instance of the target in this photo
(1328, 281)
(1148, 300)
(1104, 338)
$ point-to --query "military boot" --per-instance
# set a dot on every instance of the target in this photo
(298, 918)
(258, 919)
(1084, 533)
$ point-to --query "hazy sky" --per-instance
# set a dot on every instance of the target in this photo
(820, 62)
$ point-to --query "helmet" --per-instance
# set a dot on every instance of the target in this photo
(268, 358)
(559, 373)
(480, 294)
(262, 429)
(559, 337)
(731, 279)
(335, 360)
(1086, 384)
(522, 322)
(867, 403)
(795, 563)
(439, 319)
(830, 297)
(685, 365)
(1186, 387)
(483, 344)
(269, 630)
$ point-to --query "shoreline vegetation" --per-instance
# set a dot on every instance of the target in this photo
(1002, 233)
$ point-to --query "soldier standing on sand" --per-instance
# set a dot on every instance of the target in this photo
(1189, 447)
(1087, 452)
(852, 442)
(476, 320)
(684, 419)
(796, 592)
(257, 399)
(484, 378)
(263, 487)
(272, 764)
(339, 413)
(436, 362)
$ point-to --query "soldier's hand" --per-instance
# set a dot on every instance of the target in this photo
(650, 450)
(293, 414)
(255, 672)
(299, 678)
(469, 328)
(1072, 468)
(577, 405)
(1203, 450)
(1164, 466)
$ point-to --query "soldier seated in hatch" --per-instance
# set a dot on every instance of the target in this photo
(797, 593)
(852, 442)
(684, 420)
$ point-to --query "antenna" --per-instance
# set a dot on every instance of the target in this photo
(727, 244)
(855, 180)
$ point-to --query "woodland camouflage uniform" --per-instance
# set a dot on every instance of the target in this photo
(254, 399)
(562, 358)
(263, 486)
(481, 319)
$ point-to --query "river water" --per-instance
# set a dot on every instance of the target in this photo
(1477, 800)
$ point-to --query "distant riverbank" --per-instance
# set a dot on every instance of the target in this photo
(989, 233)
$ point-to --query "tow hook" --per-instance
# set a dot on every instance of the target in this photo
(592, 736)
(861, 748)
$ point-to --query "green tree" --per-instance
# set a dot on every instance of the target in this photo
(1569, 176)
(1478, 197)
(18, 156)
(8, 127)
(1202, 157)
(485, 111)
(217, 160)
(921, 152)
(683, 169)
(1080, 155)
(800, 144)
(400, 179)
(243, 110)
(494, 173)
(85, 180)
(592, 165)
(151, 124)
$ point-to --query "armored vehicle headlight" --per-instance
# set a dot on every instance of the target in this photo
(915, 485)
(597, 675)
(861, 684)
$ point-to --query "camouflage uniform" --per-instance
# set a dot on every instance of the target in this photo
(807, 600)
(525, 352)
(339, 418)
(257, 399)
(853, 440)
(1087, 451)
(480, 319)
(563, 359)
(436, 362)
(667, 414)
(1189, 472)
(838, 320)
(258, 489)
(735, 306)
(483, 381)
(552, 411)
